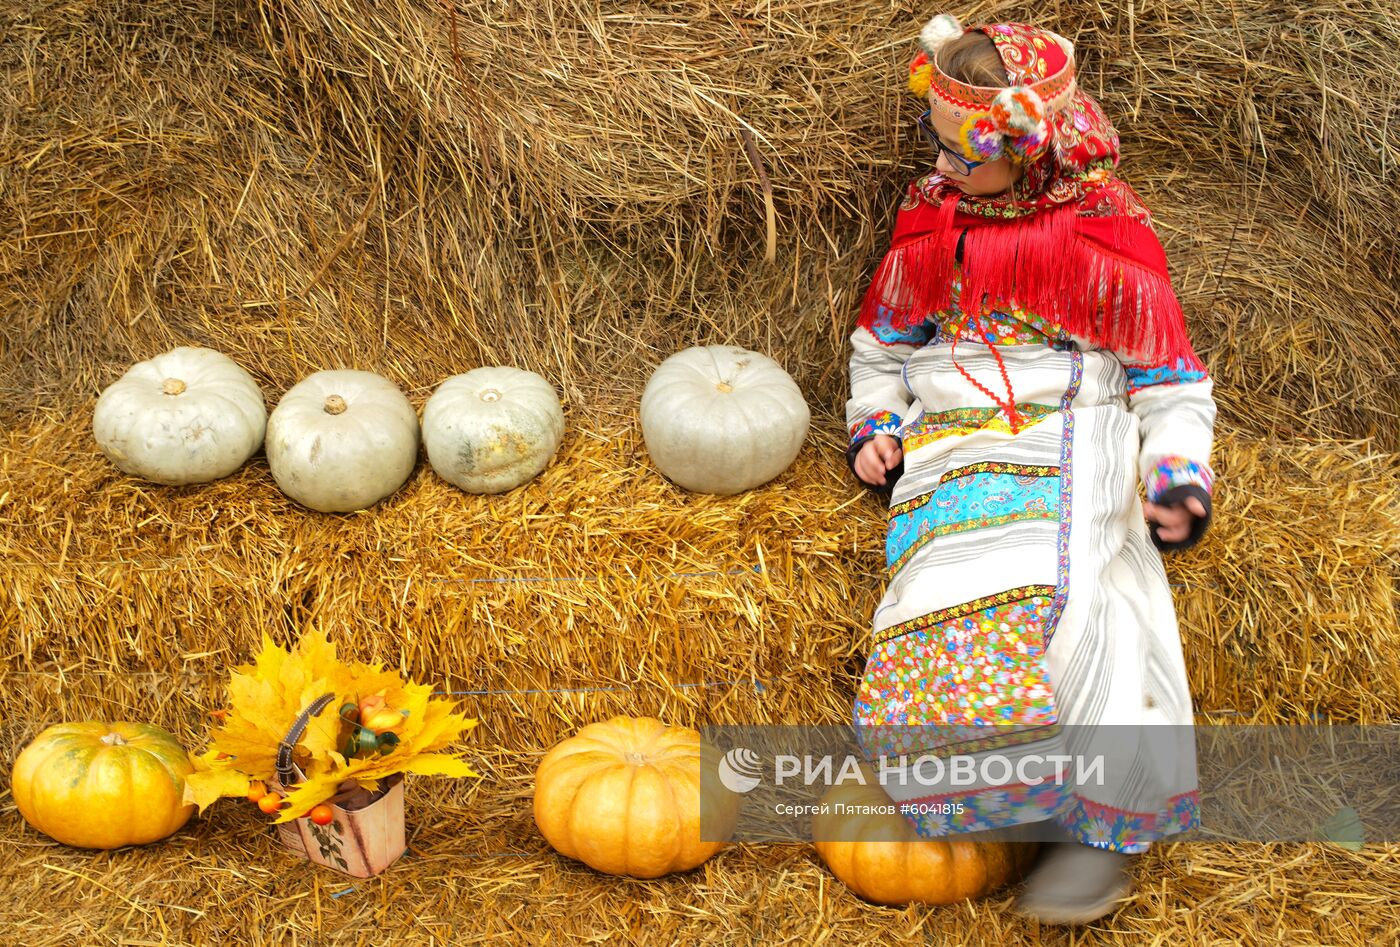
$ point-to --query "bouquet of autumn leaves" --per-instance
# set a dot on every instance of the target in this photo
(374, 725)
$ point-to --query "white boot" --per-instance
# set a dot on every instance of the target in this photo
(1076, 884)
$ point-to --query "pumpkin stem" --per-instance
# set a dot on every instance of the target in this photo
(490, 394)
(335, 405)
(114, 739)
(635, 758)
(173, 386)
(724, 386)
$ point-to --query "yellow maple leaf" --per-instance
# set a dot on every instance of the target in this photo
(368, 772)
(213, 779)
(267, 697)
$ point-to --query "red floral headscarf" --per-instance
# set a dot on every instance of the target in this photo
(1070, 242)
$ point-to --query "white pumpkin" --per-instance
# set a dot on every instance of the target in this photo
(491, 429)
(721, 419)
(190, 415)
(342, 440)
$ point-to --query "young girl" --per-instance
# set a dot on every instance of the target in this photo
(1020, 363)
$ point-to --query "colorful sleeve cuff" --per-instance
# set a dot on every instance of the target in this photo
(886, 422)
(1183, 371)
(1173, 480)
(1172, 472)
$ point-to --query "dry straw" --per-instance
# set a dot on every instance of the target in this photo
(420, 188)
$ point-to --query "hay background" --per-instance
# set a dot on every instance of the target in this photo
(421, 188)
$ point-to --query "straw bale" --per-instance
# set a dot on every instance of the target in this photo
(1288, 613)
(476, 873)
(600, 573)
(419, 188)
(333, 205)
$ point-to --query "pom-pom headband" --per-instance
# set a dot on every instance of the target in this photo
(999, 120)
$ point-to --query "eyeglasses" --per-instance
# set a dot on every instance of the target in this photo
(960, 164)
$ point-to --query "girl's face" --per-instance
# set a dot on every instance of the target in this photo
(994, 177)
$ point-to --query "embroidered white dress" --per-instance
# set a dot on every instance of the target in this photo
(1027, 604)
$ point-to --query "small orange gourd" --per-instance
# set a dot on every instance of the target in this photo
(624, 796)
(103, 785)
(880, 857)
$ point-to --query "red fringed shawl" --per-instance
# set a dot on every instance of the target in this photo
(1084, 259)
(1072, 243)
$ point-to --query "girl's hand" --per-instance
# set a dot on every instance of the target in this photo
(1173, 521)
(880, 453)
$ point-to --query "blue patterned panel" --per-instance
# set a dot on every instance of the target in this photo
(978, 496)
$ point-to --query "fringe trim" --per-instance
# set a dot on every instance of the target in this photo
(1100, 278)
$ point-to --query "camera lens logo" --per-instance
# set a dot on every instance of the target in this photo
(739, 770)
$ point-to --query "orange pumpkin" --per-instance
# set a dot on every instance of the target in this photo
(624, 797)
(100, 785)
(880, 857)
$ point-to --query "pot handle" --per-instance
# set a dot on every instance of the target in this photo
(286, 775)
